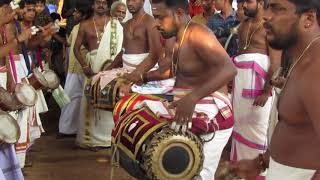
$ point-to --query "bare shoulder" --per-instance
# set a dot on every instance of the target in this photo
(86, 23)
(198, 34)
(149, 20)
(310, 71)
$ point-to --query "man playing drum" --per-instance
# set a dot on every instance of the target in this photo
(21, 66)
(96, 35)
(7, 152)
(202, 69)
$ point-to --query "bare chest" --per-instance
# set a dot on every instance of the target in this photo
(290, 107)
(252, 36)
(134, 33)
(187, 62)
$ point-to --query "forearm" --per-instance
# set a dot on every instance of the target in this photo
(117, 62)
(79, 57)
(60, 39)
(156, 75)
(146, 65)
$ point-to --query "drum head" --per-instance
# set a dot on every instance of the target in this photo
(52, 79)
(173, 155)
(9, 128)
(26, 94)
(39, 76)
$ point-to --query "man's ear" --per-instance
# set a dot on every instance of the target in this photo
(180, 12)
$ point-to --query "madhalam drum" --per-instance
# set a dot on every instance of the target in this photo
(146, 142)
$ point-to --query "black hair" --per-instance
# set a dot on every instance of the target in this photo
(3, 2)
(303, 6)
(41, 1)
(23, 3)
(174, 4)
(54, 16)
(85, 8)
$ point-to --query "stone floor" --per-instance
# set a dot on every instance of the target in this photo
(59, 159)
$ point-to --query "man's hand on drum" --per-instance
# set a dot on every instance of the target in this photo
(135, 77)
(124, 90)
(184, 109)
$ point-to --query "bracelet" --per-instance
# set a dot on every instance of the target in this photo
(262, 163)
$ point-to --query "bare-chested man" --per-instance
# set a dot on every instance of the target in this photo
(252, 92)
(9, 165)
(202, 69)
(96, 35)
(295, 146)
(141, 43)
(21, 65)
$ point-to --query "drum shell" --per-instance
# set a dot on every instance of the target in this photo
(55, 82)
(143, 143)
(14, 128)
(37, 80)
(8, 102)
(19, 97)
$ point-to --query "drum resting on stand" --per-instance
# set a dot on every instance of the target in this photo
(148, 149)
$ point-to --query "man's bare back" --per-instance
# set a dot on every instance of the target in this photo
(295, 141)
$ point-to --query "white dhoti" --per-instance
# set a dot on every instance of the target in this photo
(70, 114)
(9, 166)
(3, 77)
(278, 171)
(28, 119)
(95, 124)
(251, 122)
(131, 61)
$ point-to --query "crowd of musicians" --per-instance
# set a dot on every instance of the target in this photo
(239, 75)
